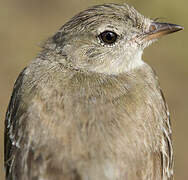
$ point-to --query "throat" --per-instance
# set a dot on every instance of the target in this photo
(118, 66)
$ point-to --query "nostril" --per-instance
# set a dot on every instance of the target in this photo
(152, 28)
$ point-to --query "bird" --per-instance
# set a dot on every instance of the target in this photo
(88, 107)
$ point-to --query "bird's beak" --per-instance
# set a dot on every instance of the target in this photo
(156, 30)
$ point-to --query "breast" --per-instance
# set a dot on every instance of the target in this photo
(106, 126)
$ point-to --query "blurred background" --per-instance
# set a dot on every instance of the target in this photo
(24, 24)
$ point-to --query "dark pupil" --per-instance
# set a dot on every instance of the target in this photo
(108, 37)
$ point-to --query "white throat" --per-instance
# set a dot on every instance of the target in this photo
(117, 66)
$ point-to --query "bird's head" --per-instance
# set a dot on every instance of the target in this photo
(107, 38)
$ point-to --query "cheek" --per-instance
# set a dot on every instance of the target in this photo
(92, 52)
(98, 56)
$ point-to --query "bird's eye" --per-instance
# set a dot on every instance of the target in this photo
(108, 37)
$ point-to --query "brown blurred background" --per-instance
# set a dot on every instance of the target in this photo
(25, 23)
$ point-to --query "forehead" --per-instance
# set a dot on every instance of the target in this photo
(110, 14)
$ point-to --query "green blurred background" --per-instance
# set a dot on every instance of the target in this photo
(24, 24)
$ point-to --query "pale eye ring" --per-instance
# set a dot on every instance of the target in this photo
(108, 37)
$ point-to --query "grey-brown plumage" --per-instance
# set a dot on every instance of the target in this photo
(88, 107)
